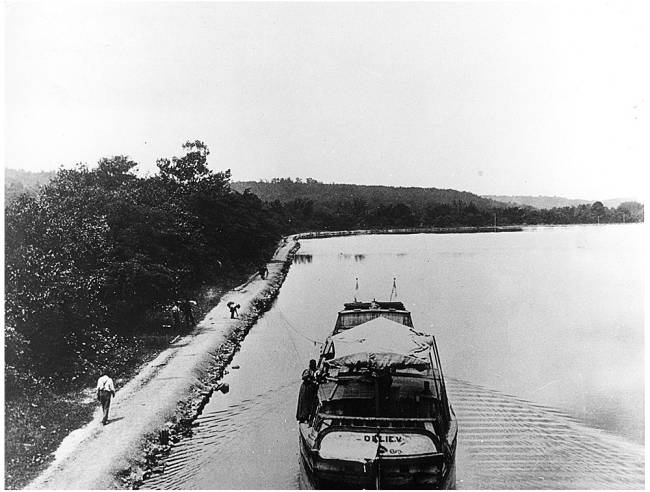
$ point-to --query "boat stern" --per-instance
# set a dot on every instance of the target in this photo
(364, 458)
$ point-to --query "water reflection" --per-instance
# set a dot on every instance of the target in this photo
(302, 258)
(356, 257)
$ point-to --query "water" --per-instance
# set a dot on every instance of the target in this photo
(540, 335)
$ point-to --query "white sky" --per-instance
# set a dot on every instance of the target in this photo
(493, 98)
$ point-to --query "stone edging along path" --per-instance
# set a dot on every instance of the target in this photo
(151, 412)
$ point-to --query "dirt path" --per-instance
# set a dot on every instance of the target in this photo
(90, 457)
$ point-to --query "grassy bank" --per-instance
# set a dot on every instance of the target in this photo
(34, 427)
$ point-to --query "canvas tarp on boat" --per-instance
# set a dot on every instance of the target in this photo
(381, 343)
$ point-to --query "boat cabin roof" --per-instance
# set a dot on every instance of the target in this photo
(356, 313)
(374, 305)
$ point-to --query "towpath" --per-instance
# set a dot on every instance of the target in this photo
(90, 457)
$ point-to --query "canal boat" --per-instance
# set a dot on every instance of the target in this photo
(380, 417)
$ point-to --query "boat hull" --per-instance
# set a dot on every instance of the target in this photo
(427, 471)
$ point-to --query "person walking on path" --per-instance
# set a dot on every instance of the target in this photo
(233, 309)
(105, 391)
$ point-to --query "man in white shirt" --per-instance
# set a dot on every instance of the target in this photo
(105, 391)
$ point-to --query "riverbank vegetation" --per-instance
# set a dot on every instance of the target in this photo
(93, 262)
(312, 205)
(95, 258)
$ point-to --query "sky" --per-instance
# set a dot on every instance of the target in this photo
(516, 98)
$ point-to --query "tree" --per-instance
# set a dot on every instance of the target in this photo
(631, 211)
(114, 172)
(190, 168)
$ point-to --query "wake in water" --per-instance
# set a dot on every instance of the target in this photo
(504, 443)
(508, 443)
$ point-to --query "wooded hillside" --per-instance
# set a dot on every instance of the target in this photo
(286, 190)
(319, 206)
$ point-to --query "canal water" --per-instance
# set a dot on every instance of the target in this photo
(540, 335)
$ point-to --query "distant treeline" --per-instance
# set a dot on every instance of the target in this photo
(541, 201)
(18, 182)
(333, 194)
(96, 255)
(313, 205)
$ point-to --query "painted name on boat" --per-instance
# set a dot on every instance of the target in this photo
(375, 438)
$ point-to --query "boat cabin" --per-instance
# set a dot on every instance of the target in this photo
(357, 313)
(381, 369)
(378, 413)
(395, 400)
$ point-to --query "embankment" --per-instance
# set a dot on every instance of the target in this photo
(149, 412)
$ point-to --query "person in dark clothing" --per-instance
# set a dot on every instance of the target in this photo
(176, 317)
(425, 401)
(233, 309)
(384, 383)
(186, 309)
(263, 271)
(307, 396)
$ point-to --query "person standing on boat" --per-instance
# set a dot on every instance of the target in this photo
(307, 395)
(105, 391)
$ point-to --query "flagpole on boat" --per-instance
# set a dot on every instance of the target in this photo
(393, 291)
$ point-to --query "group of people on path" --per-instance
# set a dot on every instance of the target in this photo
(182, 314)
(183, 308)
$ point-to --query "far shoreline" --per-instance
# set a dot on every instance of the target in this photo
(442, 230)
(408, 230)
